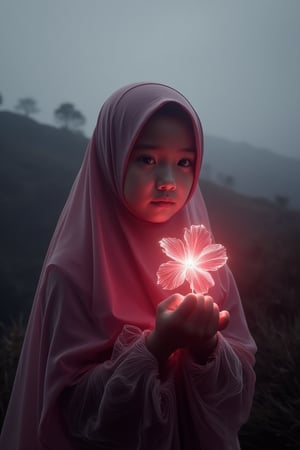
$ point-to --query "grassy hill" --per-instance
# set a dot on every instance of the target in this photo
(38, 164)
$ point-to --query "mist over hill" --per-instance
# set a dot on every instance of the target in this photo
(256, 171)
(253, 171)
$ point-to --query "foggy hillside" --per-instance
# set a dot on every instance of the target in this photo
(257, 172)
(253, 171)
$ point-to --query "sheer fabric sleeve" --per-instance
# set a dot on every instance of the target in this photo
(121, 402)
(215, 399)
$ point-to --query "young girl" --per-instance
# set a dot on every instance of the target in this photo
(111, 360)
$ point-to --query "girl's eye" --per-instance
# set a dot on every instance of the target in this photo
(185, 162)
(146, 160)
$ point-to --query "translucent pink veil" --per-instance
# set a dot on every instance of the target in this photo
(108, 259)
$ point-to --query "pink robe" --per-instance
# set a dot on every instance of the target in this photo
(85, 377)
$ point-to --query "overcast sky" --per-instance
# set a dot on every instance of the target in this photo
(237, 61)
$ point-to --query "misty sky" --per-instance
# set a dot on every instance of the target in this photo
(237, 61)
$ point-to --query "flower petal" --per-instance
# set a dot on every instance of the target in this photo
(173, 247)
(200, 281)
(212, 257)
(170, 275)
(196, 238)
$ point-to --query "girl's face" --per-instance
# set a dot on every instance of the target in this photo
(160, 170)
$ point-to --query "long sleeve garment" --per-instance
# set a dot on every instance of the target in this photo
(72, 393)
(126, 402)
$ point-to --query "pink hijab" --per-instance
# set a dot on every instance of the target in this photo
(110, 259)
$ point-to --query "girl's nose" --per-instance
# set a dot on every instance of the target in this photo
(166, 181)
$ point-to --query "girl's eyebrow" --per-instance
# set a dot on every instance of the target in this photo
(144, 146)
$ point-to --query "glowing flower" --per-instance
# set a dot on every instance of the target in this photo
(193, 259)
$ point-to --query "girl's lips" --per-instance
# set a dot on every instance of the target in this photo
(163, 202)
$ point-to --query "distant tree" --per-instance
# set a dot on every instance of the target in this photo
(27, 106)
(1, 99)
(68, 116)
(64, 113)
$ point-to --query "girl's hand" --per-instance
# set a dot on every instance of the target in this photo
(170, 317)
(203, 325)
(186, 322)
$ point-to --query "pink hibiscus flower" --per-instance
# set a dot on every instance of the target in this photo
(193, 259)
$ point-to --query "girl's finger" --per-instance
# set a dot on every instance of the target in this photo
(224, 318)
(204, 310)
(186, 307)
(170, 303)
(209, 305)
